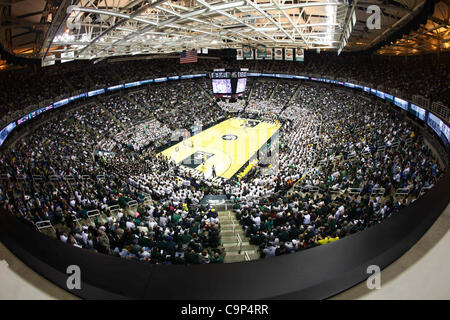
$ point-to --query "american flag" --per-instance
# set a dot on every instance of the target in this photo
(188, 56)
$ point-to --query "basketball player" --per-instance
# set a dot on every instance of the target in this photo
(246, 126)
(203, 169)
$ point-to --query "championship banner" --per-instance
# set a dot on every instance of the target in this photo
(269, 54)
(239, 54)
(288, 54)
(67, 56)
(48, 61)
(251, 57)
(247, 52)
(299, 55)
(261, 51)
(278, 54)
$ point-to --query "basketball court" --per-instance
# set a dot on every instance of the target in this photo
(227, 146)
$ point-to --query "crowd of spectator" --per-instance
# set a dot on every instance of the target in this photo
(417, 75)
(58, 174)
(331, 140)
(348, 158)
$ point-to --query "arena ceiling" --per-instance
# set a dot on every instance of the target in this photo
(87, 29)
(432, 36)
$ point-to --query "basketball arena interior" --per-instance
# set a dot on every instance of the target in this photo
(230, 150)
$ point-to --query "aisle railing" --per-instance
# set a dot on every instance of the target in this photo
(239, 242)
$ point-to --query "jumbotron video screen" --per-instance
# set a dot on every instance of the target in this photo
(228, 83)
(221, 86)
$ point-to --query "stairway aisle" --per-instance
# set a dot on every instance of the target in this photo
(113, 117)
(140, 106)
(205, 92)
(227, 220)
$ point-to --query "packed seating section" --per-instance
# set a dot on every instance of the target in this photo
(343, 163)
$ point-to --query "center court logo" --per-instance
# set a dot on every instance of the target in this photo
(229, 137)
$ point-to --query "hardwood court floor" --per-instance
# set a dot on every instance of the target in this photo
(227, 145)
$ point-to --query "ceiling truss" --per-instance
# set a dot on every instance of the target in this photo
(57, 29)
(102, 28)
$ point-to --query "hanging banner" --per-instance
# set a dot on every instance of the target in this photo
(252, 57)
(269, 53)
(288, 54)
(299, 55)
(261, 51)
(247, 52)
(278, 54)
(239, 54)
(67, 56)
(48, 61)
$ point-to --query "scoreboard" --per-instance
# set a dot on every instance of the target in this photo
(228, 74)
(228, 83)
